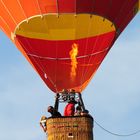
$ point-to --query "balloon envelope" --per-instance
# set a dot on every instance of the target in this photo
(65, 41)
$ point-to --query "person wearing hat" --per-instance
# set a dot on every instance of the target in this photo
(70, 107)
(53, 112)
(85, 113)
(78, 111)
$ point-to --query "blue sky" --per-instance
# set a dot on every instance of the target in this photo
(112, 97)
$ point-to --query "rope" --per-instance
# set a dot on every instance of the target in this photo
(89, 60)
(68, 58)
(9, 13)
(85, 51)
(39, 8)
(116, 134)
(120, 13)
(38, 64)
(40, 57)
(56, 62)
(23, 11)
(5, 24)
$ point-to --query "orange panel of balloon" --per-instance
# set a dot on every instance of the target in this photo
(65, 40)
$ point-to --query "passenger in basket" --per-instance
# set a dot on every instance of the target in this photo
(70, 108)
(78, 111)
(53, 112)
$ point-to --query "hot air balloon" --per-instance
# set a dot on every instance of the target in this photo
(66, 40)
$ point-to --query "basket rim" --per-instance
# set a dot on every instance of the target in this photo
(88, 116)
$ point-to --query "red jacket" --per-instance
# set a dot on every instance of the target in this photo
(69, 109)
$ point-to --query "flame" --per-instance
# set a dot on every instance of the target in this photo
(73, 54)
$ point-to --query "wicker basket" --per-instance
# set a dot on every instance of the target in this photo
(70, 128)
